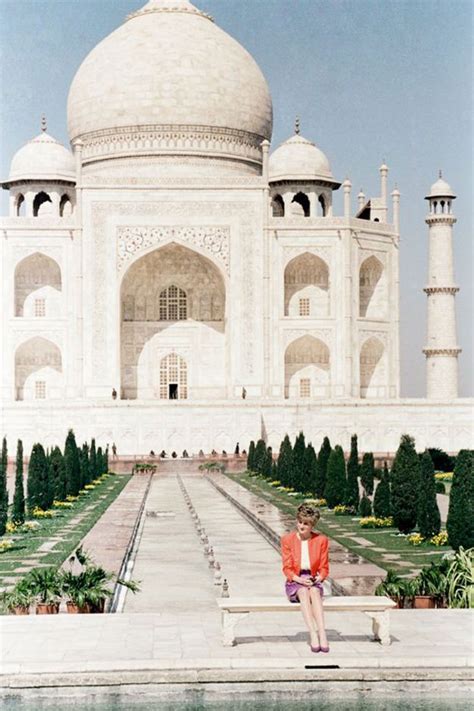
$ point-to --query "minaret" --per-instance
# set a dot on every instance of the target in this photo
(441, 349)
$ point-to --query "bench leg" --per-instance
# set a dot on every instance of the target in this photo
(381, 626)
(229, 620)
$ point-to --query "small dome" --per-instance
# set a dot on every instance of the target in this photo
(299, 159)
(440, 189)
(42, 158)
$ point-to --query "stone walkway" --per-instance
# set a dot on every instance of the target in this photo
(174, 623)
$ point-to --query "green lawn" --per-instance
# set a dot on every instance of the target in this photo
(61, 534)
(341, 528)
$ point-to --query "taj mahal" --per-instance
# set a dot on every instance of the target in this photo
(175, 281)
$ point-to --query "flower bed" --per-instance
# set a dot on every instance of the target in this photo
(374, 522)
(440, 539)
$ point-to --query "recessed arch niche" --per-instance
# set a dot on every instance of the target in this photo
(307, 276)
(307, 358)
(372, 289)
(149, 330)
(372, 368)
(38, 360)
(32, 274)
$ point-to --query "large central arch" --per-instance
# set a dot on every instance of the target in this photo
(172, 299)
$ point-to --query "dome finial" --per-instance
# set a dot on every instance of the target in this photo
(43, 123)
(440, 173)
(297, 126)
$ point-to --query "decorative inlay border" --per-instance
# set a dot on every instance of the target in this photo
(211, 239)
(449, 352)
(446, 219)
(441, 289)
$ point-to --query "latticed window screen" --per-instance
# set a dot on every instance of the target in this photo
(40, 389)
(173, 371)
(40, 307)
(305, 387)
(173, 304)
(304, 307)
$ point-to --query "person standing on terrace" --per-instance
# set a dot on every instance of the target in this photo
(305, 564)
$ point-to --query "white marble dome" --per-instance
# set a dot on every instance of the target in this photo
(440, 189)
(42, 158)
(299, 159)
(168, 68)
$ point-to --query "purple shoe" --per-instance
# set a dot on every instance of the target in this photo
(324, 649)
(315, 649)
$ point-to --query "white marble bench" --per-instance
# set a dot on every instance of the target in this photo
(234, 609)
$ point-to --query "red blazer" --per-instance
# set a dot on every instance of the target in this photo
(318, 546)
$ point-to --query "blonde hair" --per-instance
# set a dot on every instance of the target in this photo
(308, 511)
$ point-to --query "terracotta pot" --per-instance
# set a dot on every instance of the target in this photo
(20, 610)
(44, 608)
(74, 609)
(423, 602)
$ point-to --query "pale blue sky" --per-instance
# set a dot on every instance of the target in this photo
(370, 79)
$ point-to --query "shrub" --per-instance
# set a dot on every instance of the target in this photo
(336, 478)
(365, 507)
(460, 523)
(367, 473)
(382, 495)
(57, 474)
(428, 516)
(351, 497)
(323, 459)
(18, 513)
(405, 481)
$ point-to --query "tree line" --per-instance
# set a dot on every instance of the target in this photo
(53, 475)
(407, 492)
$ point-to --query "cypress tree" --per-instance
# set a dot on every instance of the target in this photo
(382, 508)
(336, 478)
(260, 456)
(405, 480)
(84, 464)
(285, 461)
(351, 497)
(57, 474)
(100, 462)
(365, 507)
(367, 473)
(297, 469)
(92, 461)
(106, 459)
(460, 523)
(37, 487)
(310, 470)
(268, 464)
(323, 459)
(71, 462)
(3, 488)
(18, 513)
(274, 471)
(428, 516)
(251, 456)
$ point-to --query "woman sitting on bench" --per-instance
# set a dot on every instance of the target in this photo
(305, 564)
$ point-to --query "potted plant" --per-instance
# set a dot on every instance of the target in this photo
(75, 587)
(46, 586)
(423, 590)
(460, 579)
(18, 600)
(394, 587)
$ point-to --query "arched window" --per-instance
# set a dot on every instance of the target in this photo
(173, 304)
(307, 368)
(20, 206)
(65, 206)
(322, 203)
(32, 274)
(301, 205)
(371, 367)
(371, 288)
(39, 204)
(278, 206)
(38, 368)
(173, 378)
(307, 279)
